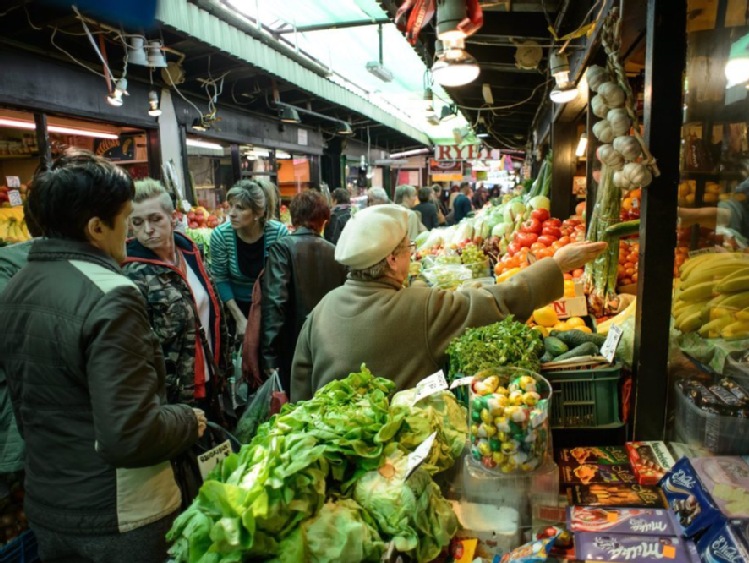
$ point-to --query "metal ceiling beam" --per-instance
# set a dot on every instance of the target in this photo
(515, 24)
(325, 26)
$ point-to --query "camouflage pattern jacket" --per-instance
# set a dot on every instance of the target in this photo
(168, 298)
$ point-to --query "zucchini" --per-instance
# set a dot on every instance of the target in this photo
(585, 349)
(624, 229)
(554, 346)
(547, 357)
(574, 337)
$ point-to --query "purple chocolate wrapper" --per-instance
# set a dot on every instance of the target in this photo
(592, 546)
(694, 509)
(631, 521)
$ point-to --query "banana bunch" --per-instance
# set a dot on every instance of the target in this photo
(712, 296)
(13, 230)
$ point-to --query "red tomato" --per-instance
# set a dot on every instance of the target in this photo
(629, 271)
(564, 240)
(538, 245)
(556, 245)
(553, 222)
(632, 257)
(566, 231)
(540, 214)
(513, 248)
(620, 271)
(551, 231)
(527, 239)
(547, 240)
(532, 226)
(573, 222)
(634, 277)
(545, 253)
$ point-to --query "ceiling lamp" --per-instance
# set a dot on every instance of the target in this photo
(450, 13)
(481, 131)
(559, 65)
(156, 57)
(136, 53)
(153, 104)
(737, 67)
(582, 146)
(120, 89)
(289, 115)
(563, 95)
(454, 65)
(344, 128)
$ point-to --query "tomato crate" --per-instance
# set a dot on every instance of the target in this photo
(585, 398)
(22, 549)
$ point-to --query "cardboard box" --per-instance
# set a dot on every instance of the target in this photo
(630, 521)
(568, 307)
(620, 547)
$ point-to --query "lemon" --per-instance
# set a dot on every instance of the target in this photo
(575, 322)
(545, 316)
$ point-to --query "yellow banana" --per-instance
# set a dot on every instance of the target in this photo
(698, 292)
(700, 261)
(690, 323)
(713, 272)
(738, 281)
(743, 315)
(713, 328)
(736, 300)
(735, 331)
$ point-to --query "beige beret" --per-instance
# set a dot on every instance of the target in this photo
(370, 235)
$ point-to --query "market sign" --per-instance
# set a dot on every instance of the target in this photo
(446, 170)
(465, 152)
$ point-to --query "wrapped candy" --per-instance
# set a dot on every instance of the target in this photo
(509, 419)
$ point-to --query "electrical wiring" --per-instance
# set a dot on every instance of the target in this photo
(9, 10)
(181, 95)
(108, 71)
(509, 106)
(72, 58)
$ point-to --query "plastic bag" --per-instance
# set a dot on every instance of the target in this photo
(263, 404)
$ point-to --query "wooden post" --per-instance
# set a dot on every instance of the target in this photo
(236, 163)
(153, 147)
(665, 61)
(189, 190)
(563, 169)
(42, 141)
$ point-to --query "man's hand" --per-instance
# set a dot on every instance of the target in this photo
(241, 325)
(202, 421)
(577, 254)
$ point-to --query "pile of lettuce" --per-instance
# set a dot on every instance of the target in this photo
(307, 487)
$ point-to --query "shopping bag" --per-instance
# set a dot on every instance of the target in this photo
(194, 465)
(264, 403)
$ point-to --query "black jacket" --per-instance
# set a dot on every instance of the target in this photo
(86, 376)
(429, 216)
(339, 216)
(300, 270)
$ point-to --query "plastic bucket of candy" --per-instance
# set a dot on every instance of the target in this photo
(509, 416)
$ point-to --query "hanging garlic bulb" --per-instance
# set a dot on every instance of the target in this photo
(628, 146)
(595, 76)
(612, 158)
(619, 120)
(621, 180)
(603, 132)
(612, 94)
(599, 107)
(637, 174)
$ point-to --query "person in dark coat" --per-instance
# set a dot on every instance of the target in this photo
(462, 205)
(339, 215)
(428, 210)
(301, 269)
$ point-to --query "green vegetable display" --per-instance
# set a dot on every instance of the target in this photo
(410, 510)
(280, 496)
(506, 343)
(439, 413)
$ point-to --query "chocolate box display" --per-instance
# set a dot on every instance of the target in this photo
(620, 547)
(604, 455)
(631, 521)
(724, 543)
(587, 474)
(650, 461)
(626, 496)
(704, 491)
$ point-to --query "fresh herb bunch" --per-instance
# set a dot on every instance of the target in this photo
(506, 343)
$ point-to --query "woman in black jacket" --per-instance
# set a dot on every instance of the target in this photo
(300, 270)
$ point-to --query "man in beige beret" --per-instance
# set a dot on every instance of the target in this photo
(403, 333)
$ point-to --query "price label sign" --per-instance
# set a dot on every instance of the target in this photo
(14, 197)
(460, 382)
(608, 350)
(13, 181)
(430, 385)
(417, 457)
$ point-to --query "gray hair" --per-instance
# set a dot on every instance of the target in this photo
(258, 197)
(376, 271)
(148, 188)
(377, 196)
(403, 191)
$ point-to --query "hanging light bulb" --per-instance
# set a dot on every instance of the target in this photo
(120, 89)
(136, 53)
(737, 67)
(156, 57)
(153, 104)
(449, 15)
(582, 145)
(563, 95)
(481, 131)
(559, 65)
(199, 125)
(289, 115)
(454, 65)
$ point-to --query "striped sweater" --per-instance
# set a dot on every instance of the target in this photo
(224, 267)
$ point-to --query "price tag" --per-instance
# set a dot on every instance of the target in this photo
(460, 382)
(13, 181)
(14, 197)
(430, 385)
(417, 457)
(210, 459)
(608, 350)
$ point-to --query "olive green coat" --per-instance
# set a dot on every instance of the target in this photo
(403, 334)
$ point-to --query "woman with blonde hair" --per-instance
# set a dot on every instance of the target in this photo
(240, 246)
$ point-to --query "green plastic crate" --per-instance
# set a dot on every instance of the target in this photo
(585, 398)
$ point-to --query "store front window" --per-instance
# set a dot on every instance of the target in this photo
(294, 173)
(211, 173)
(711, 300)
